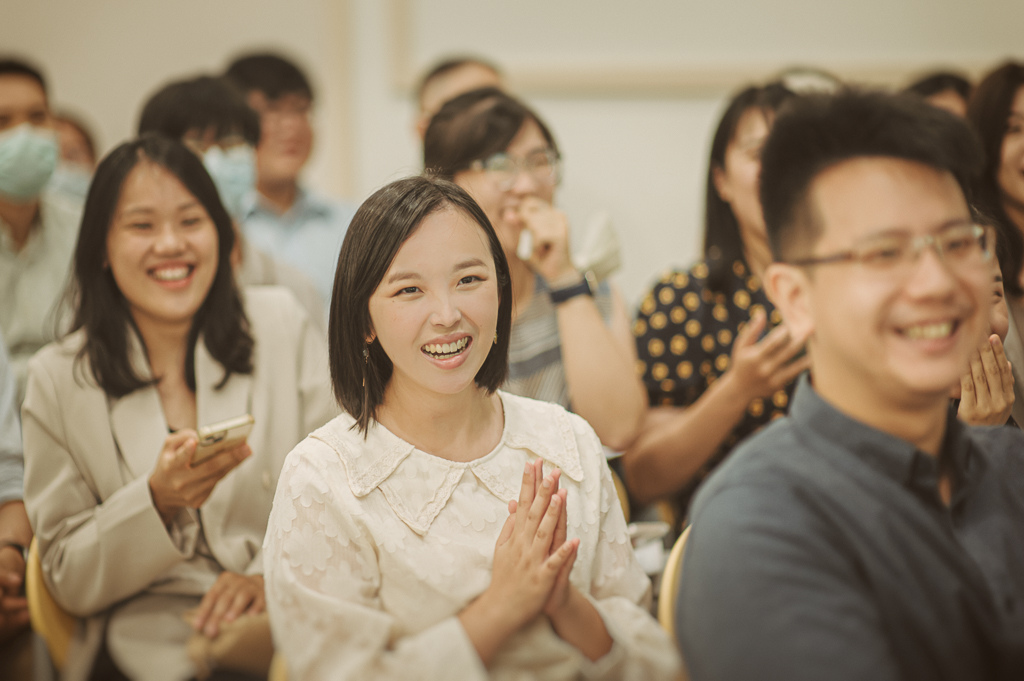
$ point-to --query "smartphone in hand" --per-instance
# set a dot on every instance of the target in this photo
(220, 436)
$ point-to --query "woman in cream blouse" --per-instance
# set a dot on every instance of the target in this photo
(442, 529)
(131, 532)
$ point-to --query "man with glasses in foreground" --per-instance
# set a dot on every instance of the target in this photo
(869, 534)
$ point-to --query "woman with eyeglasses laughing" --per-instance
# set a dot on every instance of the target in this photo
(571, 342)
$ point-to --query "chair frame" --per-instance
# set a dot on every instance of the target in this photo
(670, 584)
(49, 620)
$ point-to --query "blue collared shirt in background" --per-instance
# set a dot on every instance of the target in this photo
(307, 236)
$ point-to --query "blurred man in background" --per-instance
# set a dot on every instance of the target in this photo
(284, 217)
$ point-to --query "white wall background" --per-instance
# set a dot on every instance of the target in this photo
(631, 90)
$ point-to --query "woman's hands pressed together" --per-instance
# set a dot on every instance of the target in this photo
(177, 483)
(528, 563)
(561, 589)
(531, 569)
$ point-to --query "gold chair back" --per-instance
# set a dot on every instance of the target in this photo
(670, 585)
(620, 489)
(53, 624)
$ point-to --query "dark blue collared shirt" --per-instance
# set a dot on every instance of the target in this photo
(822, 550)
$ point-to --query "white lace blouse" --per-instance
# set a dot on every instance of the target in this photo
(374, 547)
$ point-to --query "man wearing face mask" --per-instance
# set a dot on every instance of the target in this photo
(212, 118)
(37, 229)
(77, 155)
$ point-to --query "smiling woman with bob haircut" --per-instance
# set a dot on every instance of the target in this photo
(132, 531)
(446, 529)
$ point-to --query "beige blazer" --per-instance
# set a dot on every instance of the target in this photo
(88, 458)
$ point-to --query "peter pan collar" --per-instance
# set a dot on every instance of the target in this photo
(418, 485)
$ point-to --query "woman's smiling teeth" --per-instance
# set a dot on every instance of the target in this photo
(446, 350)
(172, 273)
(929, 331)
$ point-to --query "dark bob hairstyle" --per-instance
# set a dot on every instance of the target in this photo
(723, 243)
(474, 126)
(101, 309)
(988, 111)
(360, 373)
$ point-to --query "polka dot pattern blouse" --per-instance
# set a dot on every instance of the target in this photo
(684, 334)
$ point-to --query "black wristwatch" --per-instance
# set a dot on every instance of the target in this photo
(586, 286)
(4, 543)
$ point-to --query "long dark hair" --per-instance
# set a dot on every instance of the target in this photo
(723, 243)
(101, 309)
(988, 111)
(378, 230)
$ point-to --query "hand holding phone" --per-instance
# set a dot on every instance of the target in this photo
(179, 481)
(217, 437)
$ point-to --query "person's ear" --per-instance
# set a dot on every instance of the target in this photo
(721, 183)
(789, 289)
(422, 123)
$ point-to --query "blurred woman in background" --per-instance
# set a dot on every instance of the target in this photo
(996, 110)
(570, 335)
(717, 363)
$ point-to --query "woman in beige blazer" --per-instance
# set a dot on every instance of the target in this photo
(131, 532)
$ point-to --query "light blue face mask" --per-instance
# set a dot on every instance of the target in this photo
(28, 156)
(234, 173)
(70, 179)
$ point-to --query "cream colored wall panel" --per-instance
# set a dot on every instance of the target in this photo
(692, 48)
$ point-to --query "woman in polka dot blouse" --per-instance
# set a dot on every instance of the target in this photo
(715, 360)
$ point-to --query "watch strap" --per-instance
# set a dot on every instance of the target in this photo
(584, 287)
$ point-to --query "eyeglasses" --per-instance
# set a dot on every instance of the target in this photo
(959, 246)
(543, 165)
(276, 111)
(200, 145)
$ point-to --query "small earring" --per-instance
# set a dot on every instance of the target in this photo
(366, 355)
(495, 342)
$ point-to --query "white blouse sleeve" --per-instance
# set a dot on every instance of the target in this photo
(322, 579)
(619, 588)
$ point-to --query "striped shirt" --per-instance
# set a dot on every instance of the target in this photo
(535, 353)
